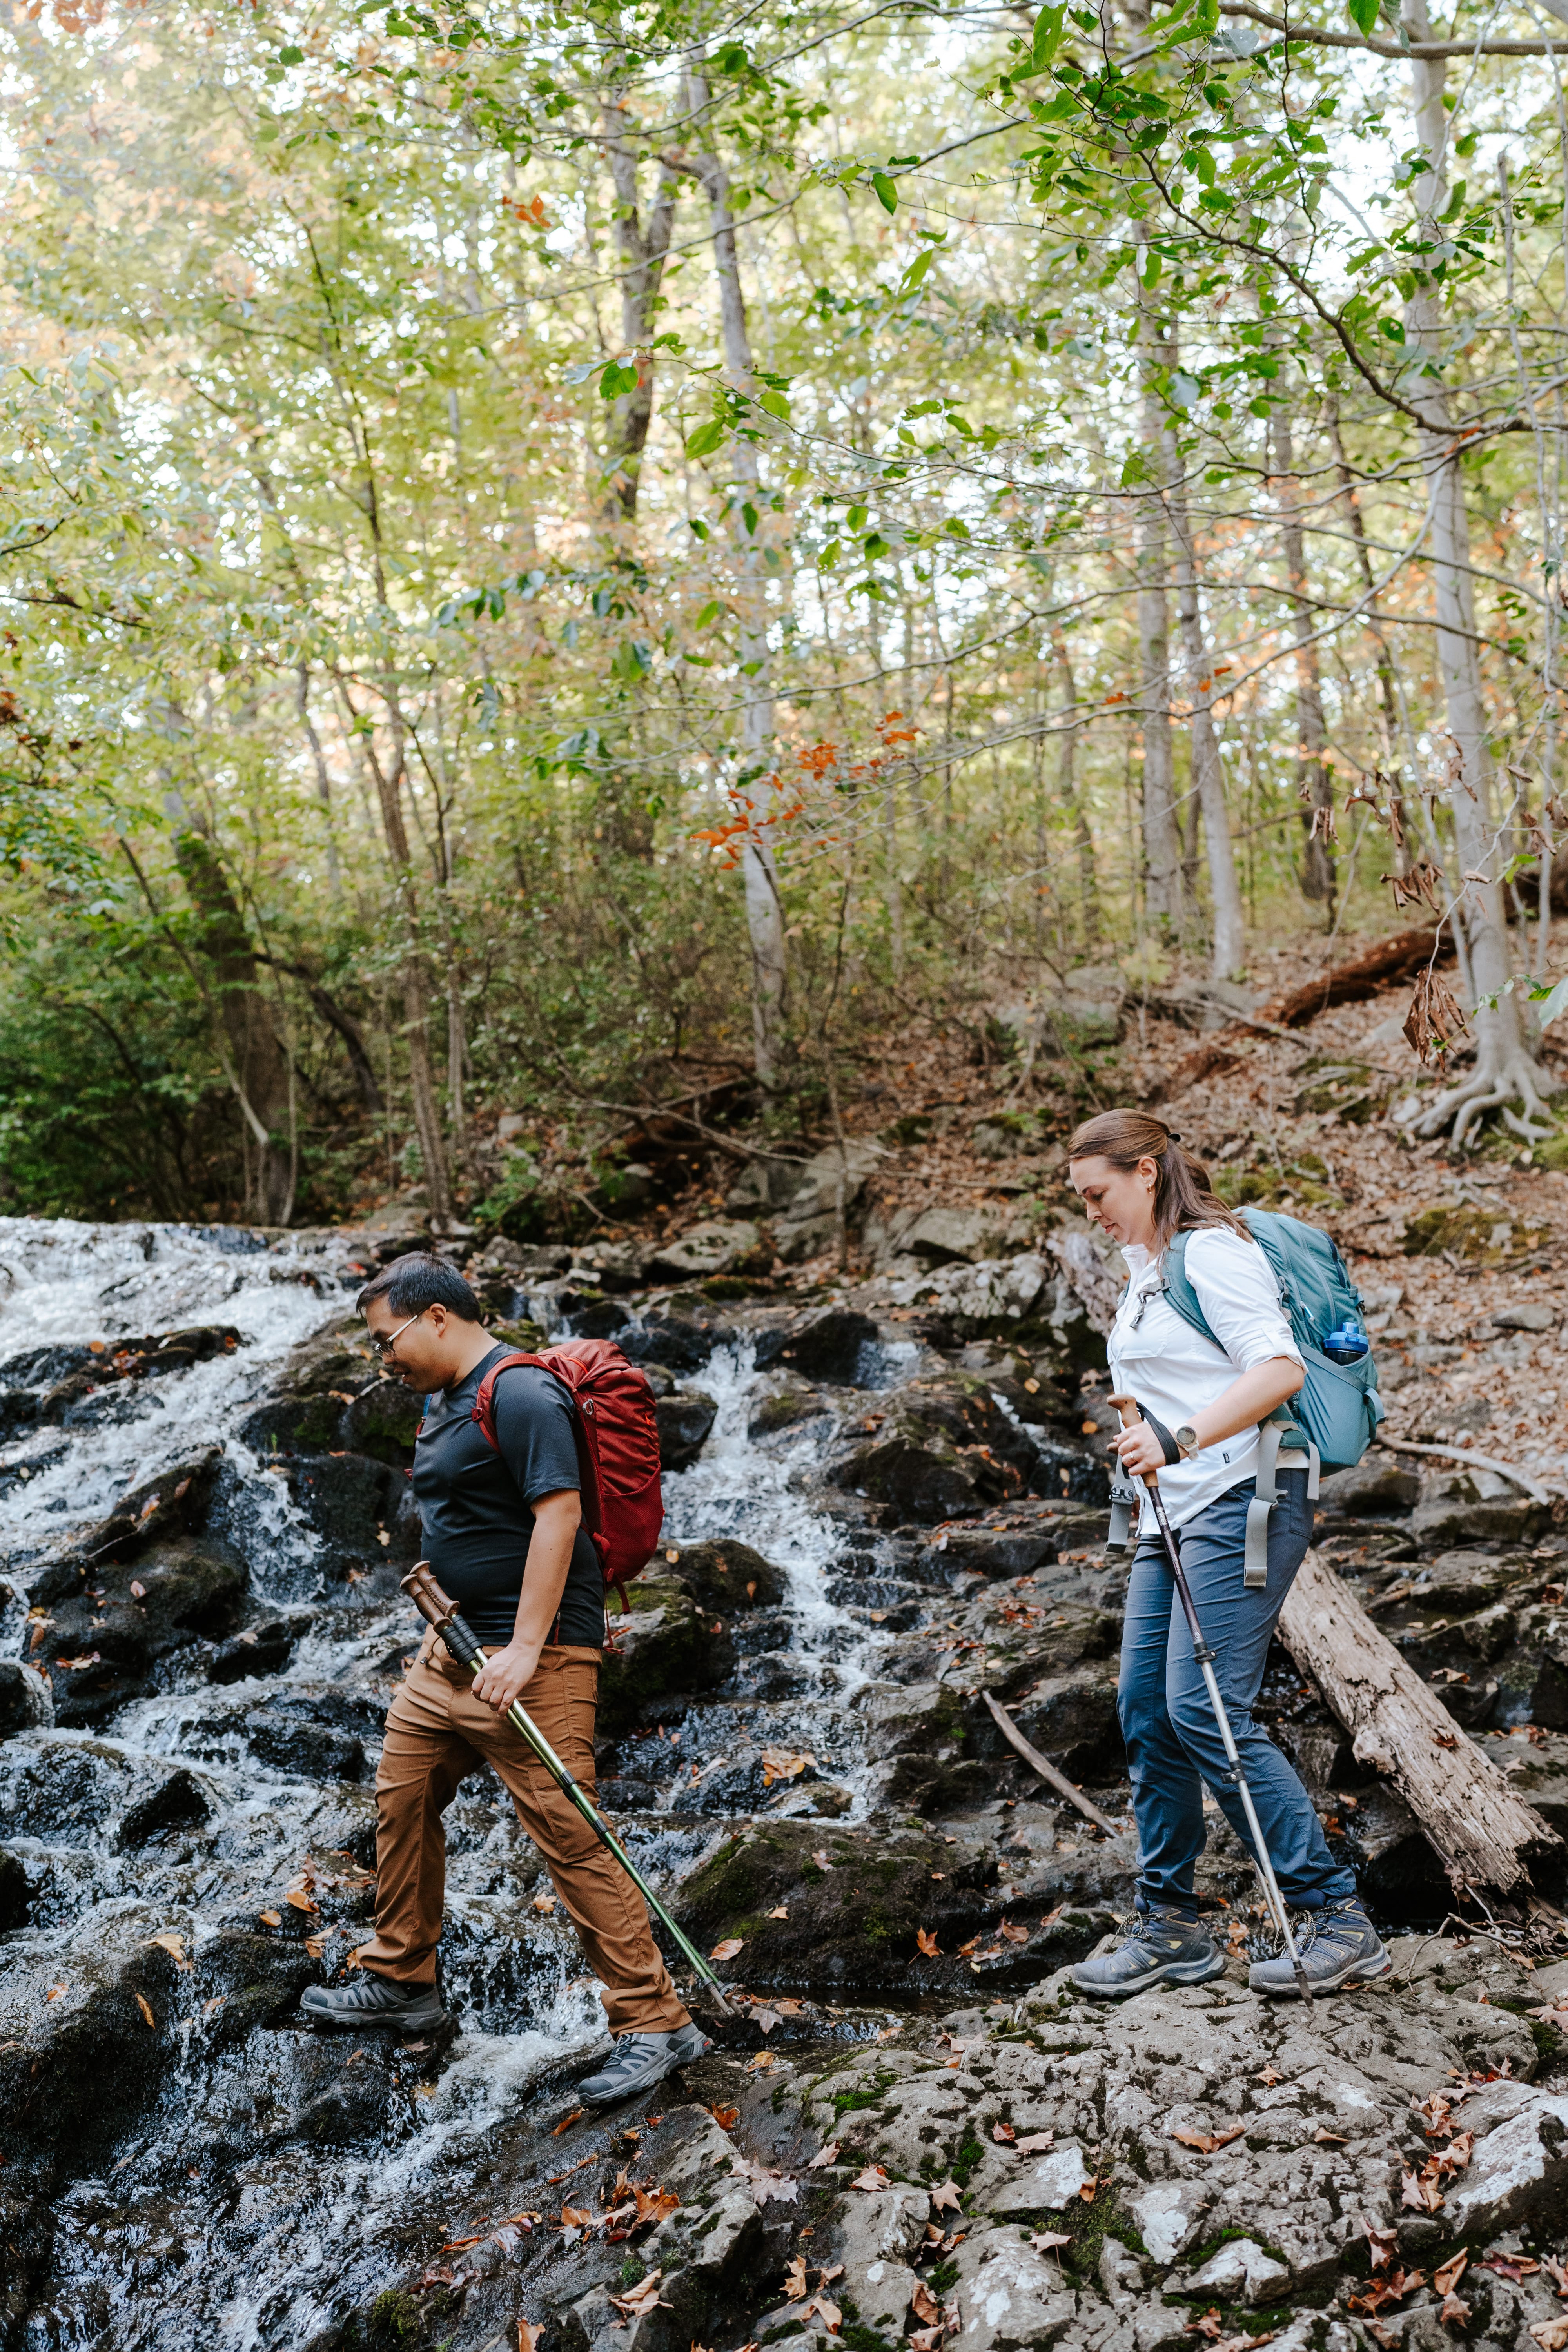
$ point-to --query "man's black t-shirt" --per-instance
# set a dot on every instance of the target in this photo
(473, 1501)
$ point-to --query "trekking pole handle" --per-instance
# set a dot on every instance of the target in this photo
(1131, 1413)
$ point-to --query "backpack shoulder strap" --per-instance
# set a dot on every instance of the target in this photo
(483, 1409)
(1178, 1287)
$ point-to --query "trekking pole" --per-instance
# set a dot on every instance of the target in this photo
(441, 1612)
(1131, 1410)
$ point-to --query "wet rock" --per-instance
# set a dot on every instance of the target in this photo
(1377, 1486)
(681, 1335)
(382, 1421)
(180, 1801)
(667, 1643)
(73, 1792)
(782, 1405)
(614, 1266)
(938, 1449)
(962, 1552)
(717, 1246)
(26, 1702)
(305, 1750)
(851, 1918)
(685, 1420)
(173, 1503)
(262, 1649)
(349, 1503)
(831, 1345)
(15, 1893)
(104, 1642)
(80, 2056)
(727, 1577)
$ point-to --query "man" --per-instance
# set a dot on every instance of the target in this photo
(503, 1534)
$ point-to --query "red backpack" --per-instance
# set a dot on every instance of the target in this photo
(618, 1448)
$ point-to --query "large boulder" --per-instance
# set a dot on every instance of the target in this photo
(939, 1236)
(26, 1702)
(1377, 1488)
(1475, 1506)
(830, 1345)
(681, 1333)
(726, 1577)
(685, 1419)
(1082, 1009)
(664, 1644)
(717, 1246)
(938, 1449)
(104, 1641)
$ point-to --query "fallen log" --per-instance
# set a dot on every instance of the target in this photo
(1382, 965)
(1482, 1831)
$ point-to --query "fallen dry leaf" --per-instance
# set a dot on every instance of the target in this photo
(924, 2305)
(1206, 2143)
(1392, 2287)
(873, 2179)
(566, 2123)
(528, 2334)
(779, 1911)
(1013, 1935)
(1454, 2311)
(785, 1764)
(725, 2117)
(828, 2155)
(176, 1947)
(728, 1948)
(1003, 2133)
(828, 2313)
(1448, 2278)
(1036, 2144)
(1045, 2241)
(270, 1918)
(765, 2019)
(145, 2006)
(1330, 2140)
(642, 2298)
(1269, 2077)
(1383, 2245)
(545, 1905)
(795, 2280)
(1421, 2192)
(300, 1900)
(820, 1858)
(1509, 2266)
(927, 1942)
(1551, 2335)
(925, 2339)
(575, 2217)
(945, 2199)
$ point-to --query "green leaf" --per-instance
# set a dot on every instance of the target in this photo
(1048, 34)
(706, 439)
(777, 404)
(707, 616)
(886, 194)
(1363, 15)
(1554, 1003)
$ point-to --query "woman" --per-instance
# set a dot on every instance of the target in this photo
(1136, 1181)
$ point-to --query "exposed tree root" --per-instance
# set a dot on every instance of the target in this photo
(1499, 1082)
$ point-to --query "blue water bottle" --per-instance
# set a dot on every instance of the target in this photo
(1348, 1345)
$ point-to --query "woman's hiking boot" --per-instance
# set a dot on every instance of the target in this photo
(1339, 1948)
(1161, 1946)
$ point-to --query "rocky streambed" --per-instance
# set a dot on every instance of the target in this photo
(883, 1503)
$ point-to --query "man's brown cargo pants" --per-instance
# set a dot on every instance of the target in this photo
(438, 1733)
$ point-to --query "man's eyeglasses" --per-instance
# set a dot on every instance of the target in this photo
(384, 1346)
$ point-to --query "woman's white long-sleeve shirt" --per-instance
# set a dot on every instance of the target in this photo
(1174, 1372)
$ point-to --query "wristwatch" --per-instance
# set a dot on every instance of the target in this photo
(1186, 1439)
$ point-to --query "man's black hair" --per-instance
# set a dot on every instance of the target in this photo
(418, 1280)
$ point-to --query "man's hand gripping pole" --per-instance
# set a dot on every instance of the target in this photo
(1132, 1412)
(460, 1639)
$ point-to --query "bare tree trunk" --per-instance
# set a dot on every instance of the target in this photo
(414, 980)
(1067, 783)
(643, 257)
(1163, 891)
(1314, 783)
(259, 1067)
(1402, 860)
(765, 911)
(1506, 1072)
(1228, 952)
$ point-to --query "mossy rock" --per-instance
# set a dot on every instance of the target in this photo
(1351, 1091)
(383, 1422)
(1303, 1184)
(1480, 1236)
(728, 1577)
(851, 1920)
(667, 1644)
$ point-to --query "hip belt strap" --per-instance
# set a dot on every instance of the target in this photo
(1273, 1438)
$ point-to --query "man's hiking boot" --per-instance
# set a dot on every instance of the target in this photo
(370, 1999)
(638, 2060)
(1160, 1947)
(1339, 1947)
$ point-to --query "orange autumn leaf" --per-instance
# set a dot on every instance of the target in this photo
(927, 1942)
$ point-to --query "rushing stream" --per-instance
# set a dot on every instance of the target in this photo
(251, 2187)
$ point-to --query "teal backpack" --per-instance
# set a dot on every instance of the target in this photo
(1334, 1415)
(1338, 1405)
